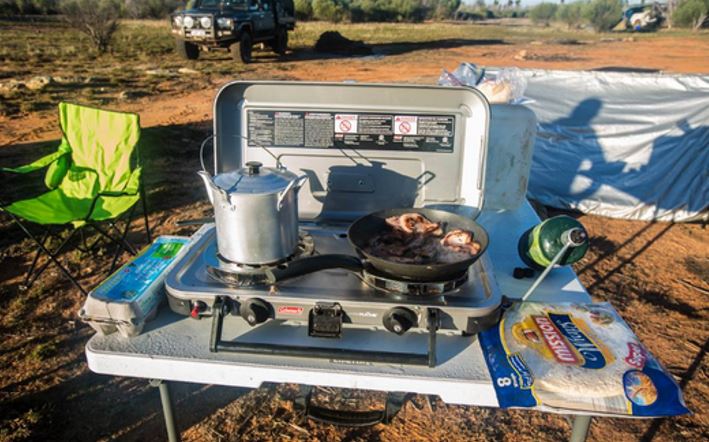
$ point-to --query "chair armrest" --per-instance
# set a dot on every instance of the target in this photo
(132, 187)
(36, 165)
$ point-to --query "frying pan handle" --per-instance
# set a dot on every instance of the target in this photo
(312, 264)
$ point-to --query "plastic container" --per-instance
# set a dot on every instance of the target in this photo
(130, 297)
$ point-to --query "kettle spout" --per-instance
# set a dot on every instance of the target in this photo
(208, 184)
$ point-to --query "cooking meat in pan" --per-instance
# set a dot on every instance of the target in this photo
(461, 240)
(414, 239)
(414, 223)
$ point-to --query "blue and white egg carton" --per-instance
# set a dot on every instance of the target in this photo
(131, 296)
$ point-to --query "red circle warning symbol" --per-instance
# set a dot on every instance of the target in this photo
(405, 128)
(345, 126)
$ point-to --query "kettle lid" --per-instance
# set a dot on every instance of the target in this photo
(254, 179)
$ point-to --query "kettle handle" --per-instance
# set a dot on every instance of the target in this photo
(201, 151)
(297, 183)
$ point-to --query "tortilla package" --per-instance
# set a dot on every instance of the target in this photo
(579, 358)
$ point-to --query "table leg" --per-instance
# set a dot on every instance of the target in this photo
(167, 409)
(579, 430)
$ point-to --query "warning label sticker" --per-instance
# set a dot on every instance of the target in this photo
(405, 125)
(361, 130)
(345, 123)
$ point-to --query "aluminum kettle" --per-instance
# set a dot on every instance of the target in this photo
(255, 212)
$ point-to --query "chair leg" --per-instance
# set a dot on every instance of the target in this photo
(56, 253)
(145, 214)
(123, 238)
(51, 256)
(122, 242)
(35, 259)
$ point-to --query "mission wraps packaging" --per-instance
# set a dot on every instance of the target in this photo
(576, 357)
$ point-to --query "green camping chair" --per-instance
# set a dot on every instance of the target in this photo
(91, 184)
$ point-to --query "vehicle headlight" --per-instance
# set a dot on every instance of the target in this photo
(206, 22)
(178, 21)
(225, 23)
(188, 21)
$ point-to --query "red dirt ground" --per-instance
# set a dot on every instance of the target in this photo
(655, 274)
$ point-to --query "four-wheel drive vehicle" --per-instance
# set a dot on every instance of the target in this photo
(232, 24)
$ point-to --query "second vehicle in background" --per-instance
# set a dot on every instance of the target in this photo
(235, 25)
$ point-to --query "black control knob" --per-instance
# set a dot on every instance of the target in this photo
(254, 167)
(255, 311)
(399, 319)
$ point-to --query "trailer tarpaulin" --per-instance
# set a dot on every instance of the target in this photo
(623, 145)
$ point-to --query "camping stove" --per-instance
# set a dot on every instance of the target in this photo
(327, 302)
(364, 148)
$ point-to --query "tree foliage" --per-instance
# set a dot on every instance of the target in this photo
(603, 14)
(691, 14)
(328, 10)
(303, 9)
(543, 13)
(446, 9)
(151, 8)
(96, 18)
(570, 14)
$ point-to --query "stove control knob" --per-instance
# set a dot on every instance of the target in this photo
(255, 311)
(399, 319)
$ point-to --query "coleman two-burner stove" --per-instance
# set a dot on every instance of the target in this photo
(299, 162)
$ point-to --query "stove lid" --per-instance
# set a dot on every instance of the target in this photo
(255, 179)
(364, 147)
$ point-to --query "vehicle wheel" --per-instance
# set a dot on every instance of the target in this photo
(241, 50)
(280, 42)
(187, 50)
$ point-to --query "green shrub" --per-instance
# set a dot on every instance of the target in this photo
(603, 14)
(445, 9)
(328, 10)
(303, 9)
(543, 13)
(151, 8)
(391, 10)
(11, 7)
(96, 18)
(691, 13)
(570, 14)
(414, 10)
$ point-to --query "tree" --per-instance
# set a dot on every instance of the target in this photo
(303, 9)
(691, 13)
(543, 13)
(603, 14)
(328, 10)
(150, 8)
(570, 13)
(96, 18)
(446, 9)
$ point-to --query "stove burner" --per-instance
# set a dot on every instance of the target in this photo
(390, 284)
(249, 275)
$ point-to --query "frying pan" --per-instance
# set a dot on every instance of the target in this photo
(369, 226)
(361, 232)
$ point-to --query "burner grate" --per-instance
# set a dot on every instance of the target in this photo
(392, 285)
(250, 275)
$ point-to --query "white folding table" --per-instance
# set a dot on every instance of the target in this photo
(176, 348)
